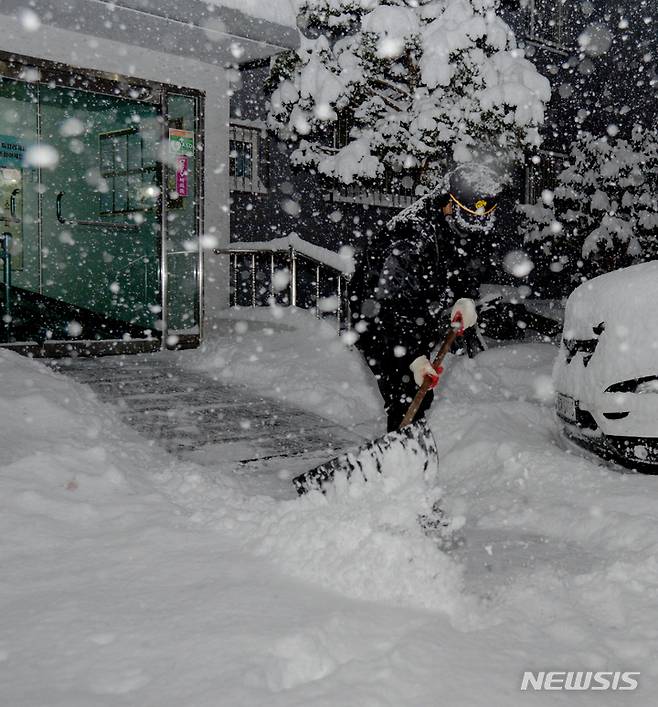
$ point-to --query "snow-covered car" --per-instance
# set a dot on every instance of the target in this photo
(606, 375)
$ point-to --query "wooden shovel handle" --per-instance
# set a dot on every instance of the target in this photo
(436, 362)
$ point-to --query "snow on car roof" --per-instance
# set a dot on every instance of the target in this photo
(617, 296)
(624, 301)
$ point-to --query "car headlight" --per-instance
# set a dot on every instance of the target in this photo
(643, 385)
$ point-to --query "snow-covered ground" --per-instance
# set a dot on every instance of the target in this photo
(130, 577)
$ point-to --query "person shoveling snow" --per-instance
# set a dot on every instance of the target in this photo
(397, 297)
(412, 272)
(408, 451)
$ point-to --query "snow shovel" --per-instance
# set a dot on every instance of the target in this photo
(411, 444)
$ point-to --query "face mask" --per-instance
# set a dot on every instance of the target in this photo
(464, 222)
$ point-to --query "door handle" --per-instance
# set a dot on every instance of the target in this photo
(12, 206)
(83, 222)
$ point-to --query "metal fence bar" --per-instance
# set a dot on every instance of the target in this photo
(235, 279)
(293, 277)
(253, 280)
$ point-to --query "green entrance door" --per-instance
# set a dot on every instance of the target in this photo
(100, 205)
(83, 194)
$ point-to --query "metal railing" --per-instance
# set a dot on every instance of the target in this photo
(287, 277)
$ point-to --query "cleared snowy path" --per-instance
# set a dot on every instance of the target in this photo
(192, 415)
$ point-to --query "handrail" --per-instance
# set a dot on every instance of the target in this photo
(291, 250)
(82, 222)
(293, 255)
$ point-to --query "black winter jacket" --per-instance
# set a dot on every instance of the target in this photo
(409, 274)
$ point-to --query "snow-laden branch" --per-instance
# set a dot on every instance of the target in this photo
(604, 208)
(428, 83)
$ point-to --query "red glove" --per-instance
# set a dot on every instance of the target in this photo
(463, 314)
(422, 368)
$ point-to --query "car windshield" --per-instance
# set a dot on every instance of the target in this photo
(585, 346)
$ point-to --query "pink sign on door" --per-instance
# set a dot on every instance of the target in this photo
(182, 168)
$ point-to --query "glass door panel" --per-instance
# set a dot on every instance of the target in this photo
(19, 192)
(101, 243)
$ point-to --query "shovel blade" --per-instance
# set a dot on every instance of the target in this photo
(411, 448)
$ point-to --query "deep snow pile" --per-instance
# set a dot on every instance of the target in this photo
(570, 544)
(357, 544)
(68, 461)
(60, 455)
(129, 576)
(120, 562)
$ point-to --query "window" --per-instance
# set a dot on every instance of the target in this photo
(127, 171)
(548, 21)
(543, 174)
(393, 190)
(242, 157)
(245, 159)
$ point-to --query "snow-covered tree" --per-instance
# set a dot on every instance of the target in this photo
(604, 208)
(405, 87)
